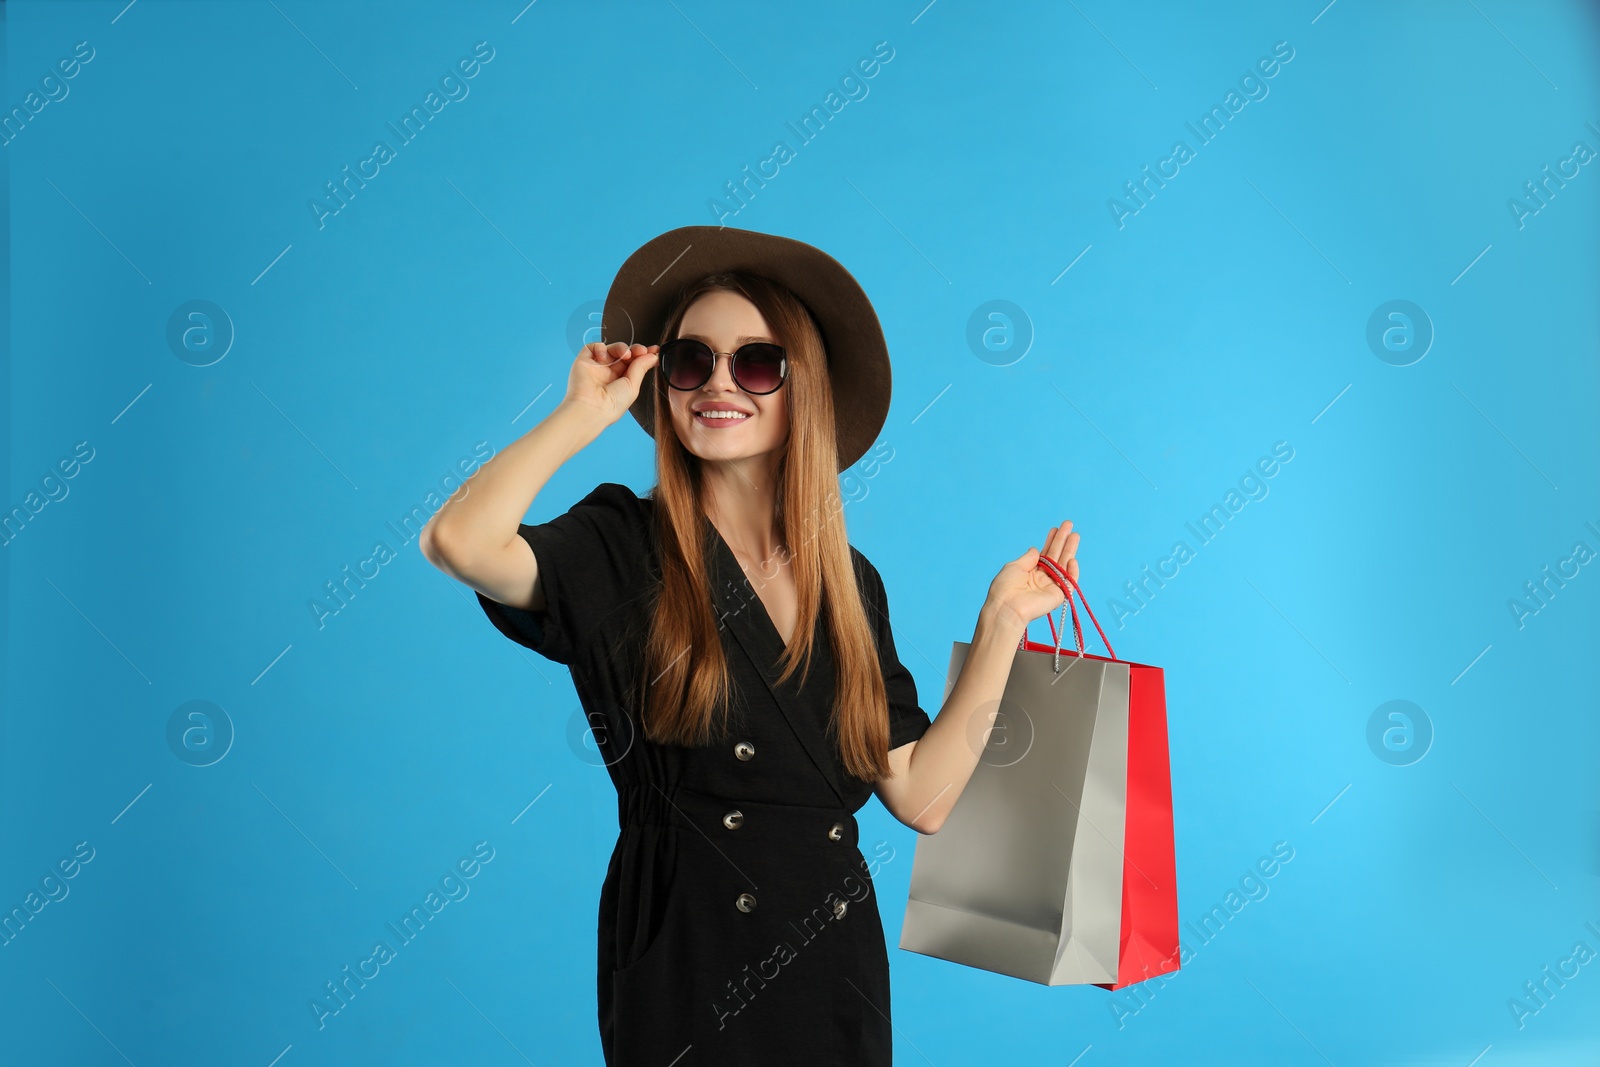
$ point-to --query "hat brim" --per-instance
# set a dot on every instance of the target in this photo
(651, 279)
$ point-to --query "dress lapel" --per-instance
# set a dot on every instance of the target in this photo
(740, 609)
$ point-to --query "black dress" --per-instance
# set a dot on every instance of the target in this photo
(738, 919)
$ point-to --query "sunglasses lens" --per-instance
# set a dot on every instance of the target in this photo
(757, 368)
(760, 367)
(687, 363)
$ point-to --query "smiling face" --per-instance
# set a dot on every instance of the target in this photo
(724, 321)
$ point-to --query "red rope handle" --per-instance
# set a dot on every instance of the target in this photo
(1077, 627)
(1062, 578)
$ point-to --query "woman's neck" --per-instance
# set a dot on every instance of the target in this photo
(740, 499)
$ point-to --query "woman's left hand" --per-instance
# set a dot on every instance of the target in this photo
(1023, 590)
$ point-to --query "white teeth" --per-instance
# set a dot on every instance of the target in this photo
(722, 415)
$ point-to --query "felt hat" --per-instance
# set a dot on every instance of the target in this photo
(650, 280)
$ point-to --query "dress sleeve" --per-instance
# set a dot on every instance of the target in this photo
(592, 560)
(907, 720)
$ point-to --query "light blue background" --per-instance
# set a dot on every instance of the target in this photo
(434, 312)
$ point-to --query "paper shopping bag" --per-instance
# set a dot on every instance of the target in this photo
(1057, 863)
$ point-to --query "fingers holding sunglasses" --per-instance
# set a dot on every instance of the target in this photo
(637, 353)
(607, 377)
(616, 351)
(640, 359)
(630, 361)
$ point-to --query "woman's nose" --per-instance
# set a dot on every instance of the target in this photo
(721, 379)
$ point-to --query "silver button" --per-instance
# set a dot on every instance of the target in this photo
(745, 902)
(733, 820)
(836, 831)
(839, 909)
(744, 750)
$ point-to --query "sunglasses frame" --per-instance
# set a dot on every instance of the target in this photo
(733, 364)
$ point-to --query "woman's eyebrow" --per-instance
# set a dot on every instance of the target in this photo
(737, 341)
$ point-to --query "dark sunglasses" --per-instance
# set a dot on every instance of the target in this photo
(757, 367)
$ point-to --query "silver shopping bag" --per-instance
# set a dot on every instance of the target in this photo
(1026, 876)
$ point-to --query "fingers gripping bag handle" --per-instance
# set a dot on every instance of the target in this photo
(1068, 586)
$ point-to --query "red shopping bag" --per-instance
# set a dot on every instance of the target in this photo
(1149, 928)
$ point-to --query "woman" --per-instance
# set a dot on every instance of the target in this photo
(732, 651)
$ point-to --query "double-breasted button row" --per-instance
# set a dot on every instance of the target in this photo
(746, 902)
(836, 833)
(735, 819)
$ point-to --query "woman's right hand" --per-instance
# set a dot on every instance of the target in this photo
(607, 378)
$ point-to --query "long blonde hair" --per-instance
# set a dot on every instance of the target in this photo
(686, 683)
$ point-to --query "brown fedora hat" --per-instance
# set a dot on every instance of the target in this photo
(649, 282)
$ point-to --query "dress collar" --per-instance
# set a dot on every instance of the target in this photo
(806, 708)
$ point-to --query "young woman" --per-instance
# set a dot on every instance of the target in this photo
(733, 653)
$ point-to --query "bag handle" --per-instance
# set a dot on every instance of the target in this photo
(1062, 579)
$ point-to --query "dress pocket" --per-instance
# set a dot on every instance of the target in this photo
(648, 907)
(657, 943)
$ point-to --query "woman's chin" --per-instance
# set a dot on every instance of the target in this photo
(709, 452)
